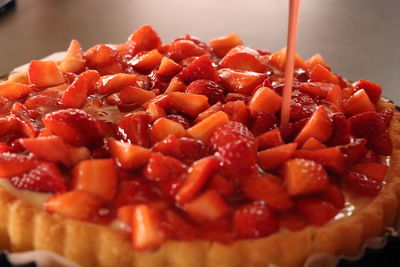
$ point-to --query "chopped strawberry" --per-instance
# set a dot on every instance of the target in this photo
(200, 68)
(316, 89)
(15, 164)
(182, 49)
(96, 176)
(332, 157)
(178, 227)
(334, 98)
(44, 73)
(179, 119)
(265, 100)
(74, 126)
(13, 91)
(221, 46)
(316, 59)
(370, 125)
(273, 157)
(145, 38)
(340, 130)
(316, 211)
(301, 106)
(207, 207)
(211, 89)
(372, 89)
(168, 67)
(304, 177)
(370, 157)
(128, 156)
(113, 83)
(222, 185)
(133, 191)
(387, 115)
(75, 204)
(229, 133)
(162, 167)
(190, 104)
(176, 85)
(135, 95)
(135, 128)
(231, 97)
(292, 221)
(75, 95)
(51, 148)
(125, 214)
(334, 195)
(291, 130)
(146, 60)
(163, 127)
(254, 221)
(237, 111)
(204, 129)
(312, 144)
(74, 60)
(358, 103)
(102, 57)
(146, 227)
(278, 60)
(362, 184)
(263, 122)
(28, 126)
(354, 151)
(45, 177)
(243, 61)
(269, 139)
(375, 171)
(321, 74)
(240, 81)
(197, 176)
(5, 148)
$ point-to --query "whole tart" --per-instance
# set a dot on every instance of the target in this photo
(151, 154)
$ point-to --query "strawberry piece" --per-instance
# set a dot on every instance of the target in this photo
(334, 195)
(230, 133)
(207, 207)
(332, 157)
(237, 111)
(273, 157)
(269, 189)
(375, 171)
(145, 38)
(278, 60)
(315, 60)
(243, 61)
(113, 83)
(179, 119)
(312, 144)
(318, 126)
(128, 156)
(181, 49)
(146, 61)
(372, 89)
(75, 95)
(292, 221)
(168, 67)
(74, 60)
(164, 127)
(75, 204)
(200, 68)
(45, 177)
(340, 130)
(334, 97)
(265, 100)
(102, 56)
(197, 176)
(205, 128)
(221, 185)
(176, 85)
(74, 126)
(146, 227)
(221, 46)
(15, 164)
(370, 125)
(135, 95)
(125, 214)
(370, 157)
(254, 221)
(77, 154)
(316, 211)
(135, 128)
(177, 227)
(387, 115)
(162, 167)
(232, 97)
(97, 177)
(133, 191)
(242, 82)
(51, 148)
(304, 177)
(362, 185)
(316, 89)
(211, 89)
(269, 139)
(5, 148)
(155, 111)
(301, 106)
(321, 74)
(263, 122)
(358, 103)
(44, 74)
(190, 104)
(354, 151)
(28, 126)
(13, 91)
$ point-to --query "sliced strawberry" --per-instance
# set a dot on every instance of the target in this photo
(5, 148)
(230, 97)
(168, 67)
(387, 115)
(316, 89)
(77, 154)
(135, 95)
(237, 111)
(146, 61)
(190, 104)
(362, 184)
(133, 191)
(135, 128)
(273, 157)
(254, 221)
(301, 106)
(240, 81)
(222, 185)
(13, 91)
(74, 126)
(197, 176)
(44, 73)
(265, 100)
(370, 125)
(176, 85)
(211, 89)
(319, 126)
(316, 59)
(15, 164)
(164, 127)
(321, 74)
(221, 46)
(162, 167)
(28, 126)
(51, 148)
(334, 195)
(358, 103)
(113, 83)
(125, 214)
(243, 61)
(312, 144)
(292, 221)
(200, 68)
(316, 211)
(375, 171)
(229, 133)
(269, 139)
(332, 157)
(340, 130)
(334, 97)
(128, 156)
(145, 38)
(96, 176)
(74, 60)
(263, 122)
(155, 111)
(207, 207)
(75, 95)
(102, 57)
(181, 49)
(178, 227)
(75, 204)
(205, 128)
(372, 89)
(208, 112)
(45, 177)
(146, 227)
(354, 151)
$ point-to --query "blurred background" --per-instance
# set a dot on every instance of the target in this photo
(360, 39)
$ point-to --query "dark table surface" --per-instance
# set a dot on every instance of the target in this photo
(360, 39)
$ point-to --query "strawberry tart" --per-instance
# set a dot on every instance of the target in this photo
(152, 154)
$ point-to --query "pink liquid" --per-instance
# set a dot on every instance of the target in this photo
(294, 7)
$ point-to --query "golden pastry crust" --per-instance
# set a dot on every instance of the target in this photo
(24, 227)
